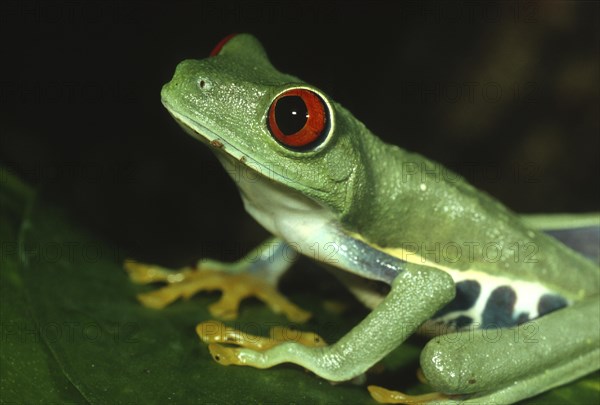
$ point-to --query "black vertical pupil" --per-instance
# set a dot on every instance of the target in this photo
(290, 114)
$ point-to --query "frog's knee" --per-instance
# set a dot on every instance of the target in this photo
(446, 367)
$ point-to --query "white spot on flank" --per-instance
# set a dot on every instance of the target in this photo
(423, 187)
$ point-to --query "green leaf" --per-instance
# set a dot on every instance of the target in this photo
(73, 332)
(29, 372)
(104, 347)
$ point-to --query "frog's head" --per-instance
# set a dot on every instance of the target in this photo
(261, 122)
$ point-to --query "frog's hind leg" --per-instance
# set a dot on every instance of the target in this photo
(254, 275)
(508, 365)
(580, 232)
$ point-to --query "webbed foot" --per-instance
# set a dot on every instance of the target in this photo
(215, 334)
(186, 282)
(386, 396)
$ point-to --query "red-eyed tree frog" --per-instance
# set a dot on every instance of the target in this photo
(319, 177)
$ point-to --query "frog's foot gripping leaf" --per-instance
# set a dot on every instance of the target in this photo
(385, 396)
(215, 333)
(358, 350)
(188, 281)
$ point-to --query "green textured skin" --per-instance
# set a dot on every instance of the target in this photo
(375, 189)
(415, 295)
(388, 197)
(555, 349)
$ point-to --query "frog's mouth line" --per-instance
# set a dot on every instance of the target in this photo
(224, 148)
(208, 137)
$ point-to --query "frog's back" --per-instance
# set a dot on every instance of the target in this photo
(505, 272)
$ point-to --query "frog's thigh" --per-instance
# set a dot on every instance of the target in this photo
(416, 294)
(538, 355)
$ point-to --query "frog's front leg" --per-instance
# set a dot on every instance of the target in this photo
(216, 332)
(417, 293)
(254, 275)
(508, 365)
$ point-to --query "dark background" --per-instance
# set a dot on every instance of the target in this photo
(506, 93)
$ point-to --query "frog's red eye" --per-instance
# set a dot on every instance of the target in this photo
(298, 119)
